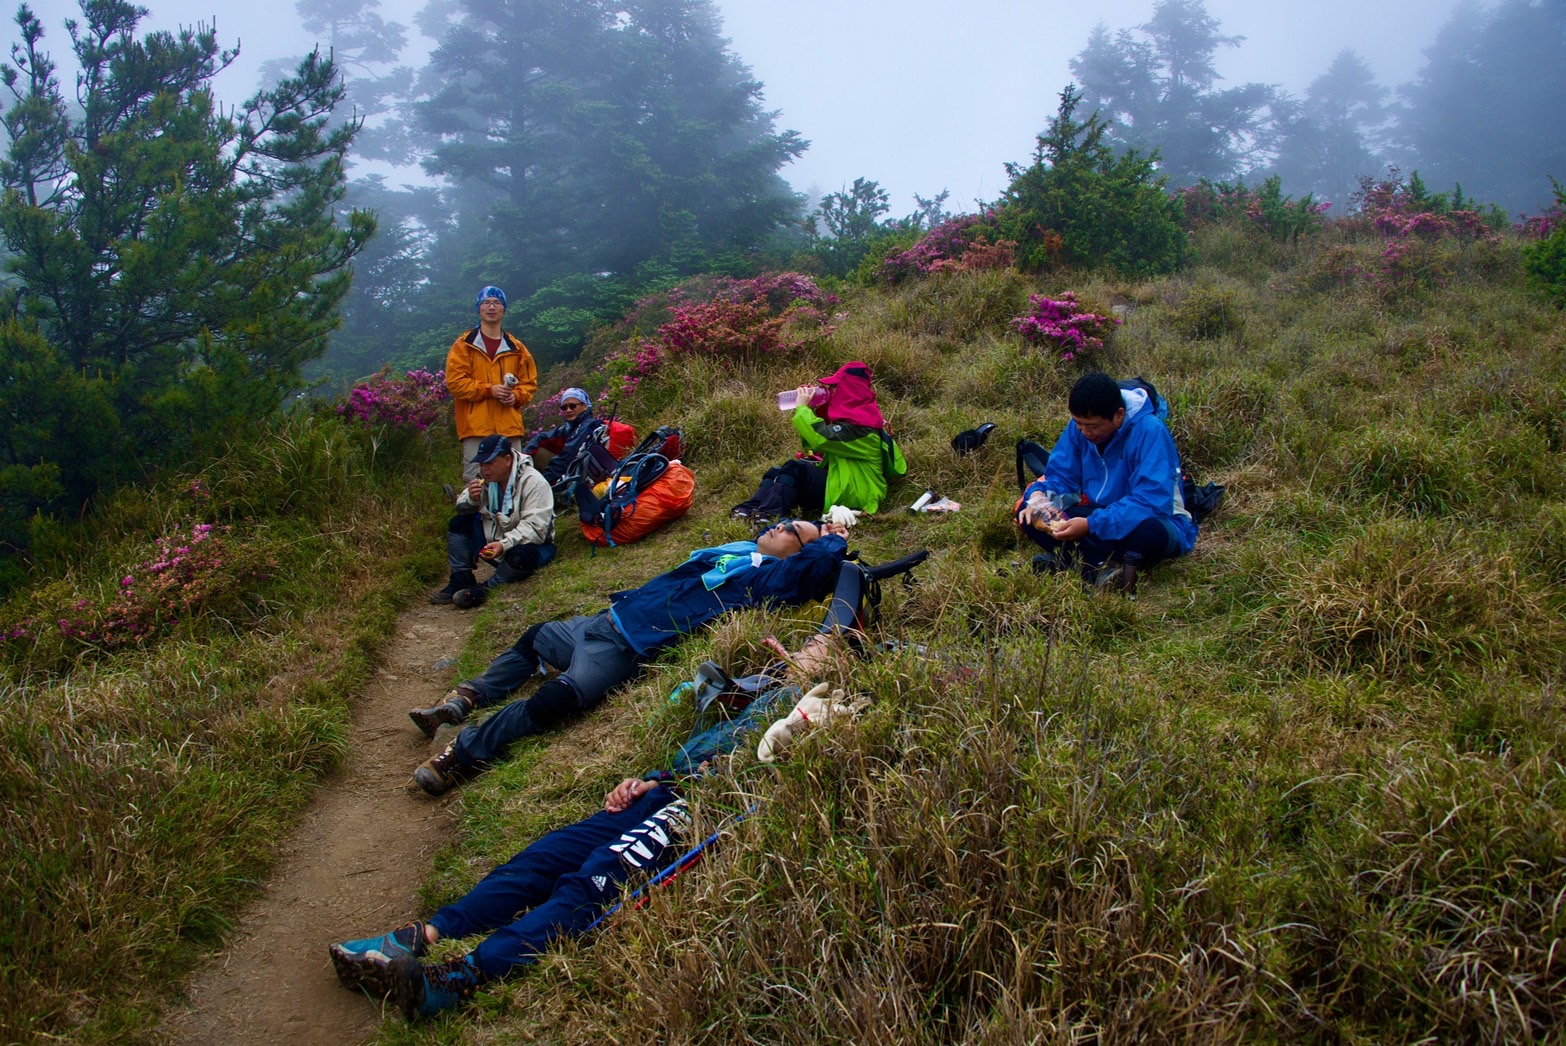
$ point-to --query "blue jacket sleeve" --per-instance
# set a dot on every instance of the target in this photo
(810, 573)
(1063, 471)
(1151, 469)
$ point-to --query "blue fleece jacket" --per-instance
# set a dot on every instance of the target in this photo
(677, 603)
(1135, 477)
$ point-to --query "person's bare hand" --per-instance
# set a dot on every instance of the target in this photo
(491, 550)
(834, 528)
(503, 394)
(622, 795)
(475, 489)
(1069, 529)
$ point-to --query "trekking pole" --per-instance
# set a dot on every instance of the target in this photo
(638, 896)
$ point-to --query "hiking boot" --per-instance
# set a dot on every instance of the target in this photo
(1047, 563)
(453, 708)
(438, 774)
(460, 580)
(1119, 575)
(470, 597)
(423, 990)
(365, 963)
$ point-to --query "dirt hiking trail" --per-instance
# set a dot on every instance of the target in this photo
(351, 868)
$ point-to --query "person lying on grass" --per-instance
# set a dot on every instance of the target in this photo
(1109, 502)
(789, 564)
(562, 884)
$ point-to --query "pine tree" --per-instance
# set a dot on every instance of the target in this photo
(1486, 109)
(187, 260)
(590, 149)
(1082, 204)
(1325, 143)
(1156, 93)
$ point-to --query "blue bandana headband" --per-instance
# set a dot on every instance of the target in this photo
(490, 292)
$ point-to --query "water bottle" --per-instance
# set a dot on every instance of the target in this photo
(788, 400)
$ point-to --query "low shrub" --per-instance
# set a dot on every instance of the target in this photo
(1405, 599)
(740, 321)
(1207, 312)
(959, 244)
(414, 401)
(1545, 258)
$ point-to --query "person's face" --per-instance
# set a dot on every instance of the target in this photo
(497, 469)
(572, 408)
(490, 310)
(786, 538)
(1099, 431)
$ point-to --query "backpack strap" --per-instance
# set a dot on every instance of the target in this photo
(1033, 457)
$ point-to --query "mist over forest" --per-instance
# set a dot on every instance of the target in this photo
(641, 149)
(582, 154)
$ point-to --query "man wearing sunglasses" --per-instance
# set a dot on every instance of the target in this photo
(789, 564)
(579, 426)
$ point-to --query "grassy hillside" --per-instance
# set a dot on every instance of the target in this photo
(171, 689)
(1309, 785)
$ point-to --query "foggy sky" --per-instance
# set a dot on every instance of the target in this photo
(918, 95)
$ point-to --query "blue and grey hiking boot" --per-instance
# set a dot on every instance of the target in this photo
(423, 990)
(366, 963)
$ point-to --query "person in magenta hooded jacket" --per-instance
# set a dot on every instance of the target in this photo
(838, 420)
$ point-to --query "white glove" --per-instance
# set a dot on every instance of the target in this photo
(812, 708)
(843, 517)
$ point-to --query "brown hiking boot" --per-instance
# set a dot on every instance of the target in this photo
(454, 708)
(438, 774)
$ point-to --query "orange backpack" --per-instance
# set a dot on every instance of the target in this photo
(635, 508)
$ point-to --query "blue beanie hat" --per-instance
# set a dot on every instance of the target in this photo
(490, 292)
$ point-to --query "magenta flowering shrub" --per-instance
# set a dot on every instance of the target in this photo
(956, 245)
(413, 401)
(1542, 226)
(185, 577)
(1063, 326)
(202, 571)
(1412, 259)
(729, 319)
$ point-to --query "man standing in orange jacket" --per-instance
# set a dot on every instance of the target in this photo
(491, 376)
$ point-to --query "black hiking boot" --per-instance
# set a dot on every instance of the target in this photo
(470, 597)
(460, 580)
(453, 708)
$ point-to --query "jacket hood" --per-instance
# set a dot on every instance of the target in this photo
(1137, 403)
(853, 400)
